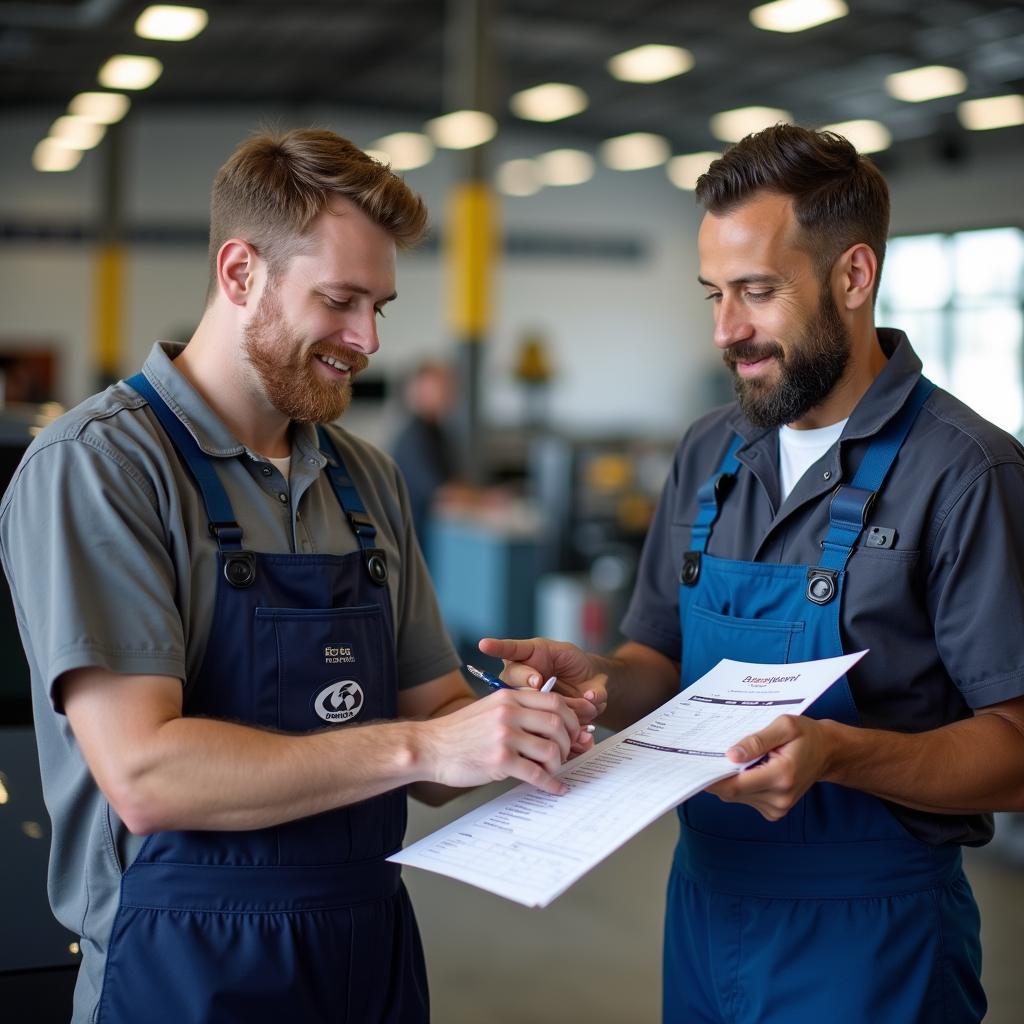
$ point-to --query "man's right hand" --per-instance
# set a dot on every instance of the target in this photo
(514, 733)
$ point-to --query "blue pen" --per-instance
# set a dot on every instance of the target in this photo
(492, 681)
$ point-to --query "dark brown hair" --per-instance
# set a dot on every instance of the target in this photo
(840, 197)
(273, 186)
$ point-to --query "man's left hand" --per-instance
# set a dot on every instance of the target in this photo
(797, 750)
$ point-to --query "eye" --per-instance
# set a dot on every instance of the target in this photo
(712, 296)
(760, 296)
(336, 303)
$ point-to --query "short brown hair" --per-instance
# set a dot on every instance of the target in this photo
(840, 197)
(274, 185)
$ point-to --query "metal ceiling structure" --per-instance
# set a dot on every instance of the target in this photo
(390, 56)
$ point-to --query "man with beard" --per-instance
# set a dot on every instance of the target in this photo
(842, 503)
(238, 663)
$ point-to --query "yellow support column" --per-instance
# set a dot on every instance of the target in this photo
(108, 322)
(470, 253)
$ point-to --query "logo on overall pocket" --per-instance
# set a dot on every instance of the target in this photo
(339, 702)
(337, 654)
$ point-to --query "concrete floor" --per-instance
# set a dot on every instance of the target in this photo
(595, 954)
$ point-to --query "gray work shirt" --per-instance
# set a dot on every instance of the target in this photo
(104, 538)
(941, 610)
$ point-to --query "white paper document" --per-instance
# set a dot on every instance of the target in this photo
(530, 846)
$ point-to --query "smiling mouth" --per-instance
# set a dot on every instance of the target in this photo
(337, 365)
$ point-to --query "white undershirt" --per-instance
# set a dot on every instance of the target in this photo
(800, 449)
(283, 465)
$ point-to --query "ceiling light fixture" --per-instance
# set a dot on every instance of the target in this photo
(650, 63)
(405, 151)
(635, 152)
(552, 101)
(867, 136)
(171, 23)
(77, 132)
(733, 125)
(130, 72)
(993, 112)
(797, 15)
(927, 83)
(518, 178)
(51, 155)
(683, 171)
(563, 167)
(462, 129)
(101, 107)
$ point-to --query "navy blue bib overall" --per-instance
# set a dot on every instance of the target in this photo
(834, 913)
(305, 921)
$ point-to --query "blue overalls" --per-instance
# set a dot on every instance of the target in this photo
(305, 921)
(834, 914)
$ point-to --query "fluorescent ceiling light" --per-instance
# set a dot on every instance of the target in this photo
(927, 83)
(994, 112)
(127, 72)
(635, 151)
(406, 151)
(51, 155)
(550, 102)
(171, 23)
(565, 167)
(462, 129)
(379, 155)
(733, 125)
(518, 178)
(866, 136)
(683, 171)
(650, 63)
(77, 132)
(101, 107)
(797, 15)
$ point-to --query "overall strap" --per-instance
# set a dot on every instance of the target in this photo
(352, 506)
(711, 495)
(223, 525)
(851, 504)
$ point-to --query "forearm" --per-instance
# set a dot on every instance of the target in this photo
(967, 767)
(206, 774)
(639, 680)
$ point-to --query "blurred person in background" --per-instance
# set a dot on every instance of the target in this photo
(423, 448)
(238, 665)
(841, 503)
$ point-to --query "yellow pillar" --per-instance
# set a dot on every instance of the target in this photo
(470, 253)
(108, 324)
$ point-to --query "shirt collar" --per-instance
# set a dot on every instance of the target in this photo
(210, 433)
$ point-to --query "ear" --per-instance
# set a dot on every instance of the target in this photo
(854, 275)
(236, 270)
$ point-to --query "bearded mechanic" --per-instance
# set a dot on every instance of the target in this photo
(842, 503)
(209, 582)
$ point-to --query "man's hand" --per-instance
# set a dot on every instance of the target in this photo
(529, 662)
(512, 733)
(798, 750)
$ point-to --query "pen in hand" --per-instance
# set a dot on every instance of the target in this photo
(496, 684)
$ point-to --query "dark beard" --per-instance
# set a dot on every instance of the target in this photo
(807, 374)
(291, 383)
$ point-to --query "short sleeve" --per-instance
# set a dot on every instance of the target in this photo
(425, 650)
(89, 564)
(976, 586)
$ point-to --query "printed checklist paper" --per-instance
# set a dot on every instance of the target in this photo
(530, 846)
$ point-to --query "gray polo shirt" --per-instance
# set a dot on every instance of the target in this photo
(941, 610)
(104, 538)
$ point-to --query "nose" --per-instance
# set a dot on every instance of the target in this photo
(361, 333)
(732, 322)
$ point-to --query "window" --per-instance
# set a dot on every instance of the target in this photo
(960, 298)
